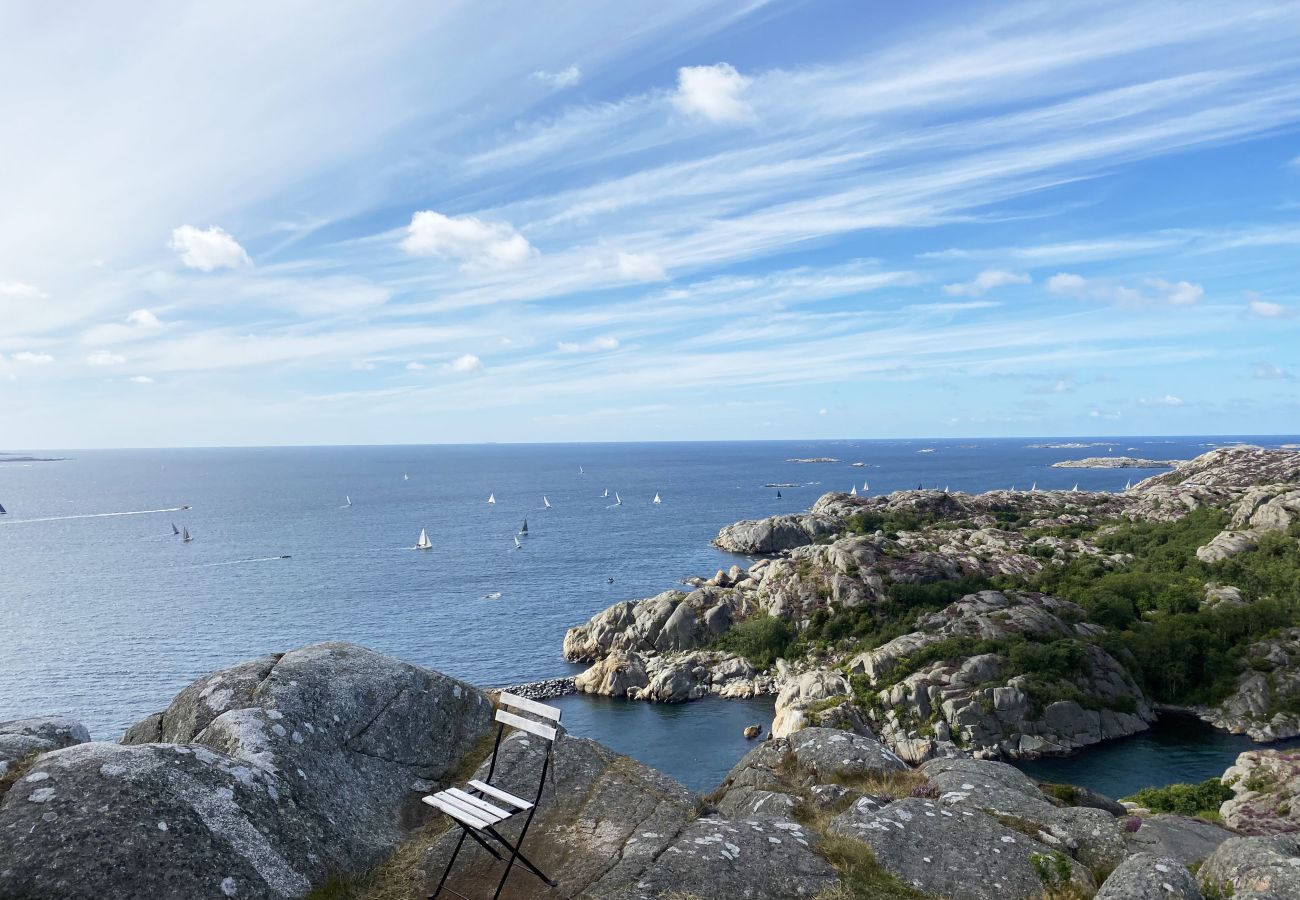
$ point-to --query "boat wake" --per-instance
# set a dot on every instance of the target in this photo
(240, 562)
(107, 515)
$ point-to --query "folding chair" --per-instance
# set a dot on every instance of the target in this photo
(481, 806)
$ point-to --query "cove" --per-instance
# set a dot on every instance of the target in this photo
(1177, 748)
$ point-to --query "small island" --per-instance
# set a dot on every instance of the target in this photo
(813, 459)
(1118, 462)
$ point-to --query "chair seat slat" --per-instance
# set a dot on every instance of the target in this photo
(538, 709)
(455, 812)
(490, 818)
(542, 731)
(478, 803)
(503, 796)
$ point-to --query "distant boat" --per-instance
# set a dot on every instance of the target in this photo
(406, 477)
(656, 500)
(1033, 488)
(495, 595)
(618, 501)
(606, 494)
(175, 530)
(865, 487)
(580, 472)
(423, 543)
(546, 504)
(1075, 489)
(945, 488)
(186, 537)
(518, 546)
(523, 529)
(853, 491)
(492, 498)
(4, 512)
(778, 495)
(348, 499)
(1128, 484)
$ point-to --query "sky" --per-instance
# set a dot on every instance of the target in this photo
(244, 223)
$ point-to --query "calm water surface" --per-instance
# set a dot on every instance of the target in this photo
(105, 616)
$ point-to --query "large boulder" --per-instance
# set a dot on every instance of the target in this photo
(1266, 792)
(21, 739)
(958, 854)
(669, 621)
(672, 677)
(259, 781)
(1185, 839)
(1263, 703)
(776, 533)
(1145, 876)
(801, 692)
(1255, 868)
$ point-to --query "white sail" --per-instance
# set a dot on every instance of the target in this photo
(853, 491)
(492, 498)
(1034, 487)
(580, 472)
(406, 477)
(423, 543)
(348, 499)
(185, 535)
(656, 499)
(517, 544)
(618, 501)
(945, 488)
(606, 494)
(546, 504)
(865, 487)
(1128, 484)
(1075, 489)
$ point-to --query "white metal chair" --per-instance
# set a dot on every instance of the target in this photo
(481, 806)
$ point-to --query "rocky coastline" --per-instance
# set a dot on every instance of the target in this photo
(1118, 462)
(299, 775)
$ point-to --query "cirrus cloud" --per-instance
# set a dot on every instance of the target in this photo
(984, 282)
(105, 358)
(1149, 292)
(561, 79)
(641, 267)
(595, 345)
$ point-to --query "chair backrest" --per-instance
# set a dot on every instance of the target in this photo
(543, 730)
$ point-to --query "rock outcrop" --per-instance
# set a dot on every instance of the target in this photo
(1145, 876)
(21, 739)
(1266, 789)
(1183, 838)
(669, 621)
(1118, 462)
(1255, 868)
(672, 679)
(257, 781)
(1265, 702)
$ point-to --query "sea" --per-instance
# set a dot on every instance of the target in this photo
(105, 614)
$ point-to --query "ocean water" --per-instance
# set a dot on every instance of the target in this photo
(104, 615)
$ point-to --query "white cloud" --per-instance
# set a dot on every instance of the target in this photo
(142, 318)
(1265, 309)
(561, 79)
(712, 92)
(1269, 372)
(466, 238)
(208, 249)
(822, 412)
(140, 379)
(416, 367)
(19, 290)
(1149, 292)
(466, 363)
(1099, 414)
(641, 267)
(986, 281)
(32, 359)
(594, 345)
(1166, 400)
(105, 358)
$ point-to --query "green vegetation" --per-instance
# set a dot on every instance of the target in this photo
(1201, 800)
(1152, 605)
(862, 878)
(761, 639)
(870, 626)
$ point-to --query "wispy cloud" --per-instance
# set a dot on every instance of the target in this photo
(566, 77)
(1149, 292)
(984, 282)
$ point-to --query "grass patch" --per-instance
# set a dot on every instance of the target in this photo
(862, 878)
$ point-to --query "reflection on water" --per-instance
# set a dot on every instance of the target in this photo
(1177, 748)
(697, 743)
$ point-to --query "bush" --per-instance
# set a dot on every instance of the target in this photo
(1202, 799)
(761, 639)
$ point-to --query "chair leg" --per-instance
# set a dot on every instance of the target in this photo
(450, 863)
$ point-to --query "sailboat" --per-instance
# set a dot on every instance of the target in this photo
(423, 543)
(656, 500)
(1033, 488)
(1128, 484)
(186, 537)
(3, 511)
(618, 501)
(406, 477)
(546, 504)
(945, 488)
(606, 494)
(778, 495)
(580, 472)
(175, 530)
(492, 498)
(1075, 489)
(348, 499)
(865, 487)
(523, 529)
(853, 491)
(518, 546)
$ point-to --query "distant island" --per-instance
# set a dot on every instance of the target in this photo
(1118, 462)
(1070, 446)
(813, 459)
(9, 458)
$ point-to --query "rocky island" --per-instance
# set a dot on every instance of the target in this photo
(1117, 462)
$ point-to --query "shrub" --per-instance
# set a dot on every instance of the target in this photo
(1202, 799)
(761, 639)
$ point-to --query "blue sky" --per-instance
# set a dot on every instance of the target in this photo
(287, 223)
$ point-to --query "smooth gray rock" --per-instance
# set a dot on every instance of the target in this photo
(1257, 868)
(1185, 839)
(602, 820)
(282, 780)
(757, 804)
(828, 754)
(717, 858)
(957, 854)
(21, 738)
(1145, 876)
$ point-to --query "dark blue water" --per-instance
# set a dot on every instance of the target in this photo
(106, 618)
(1178, 748)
